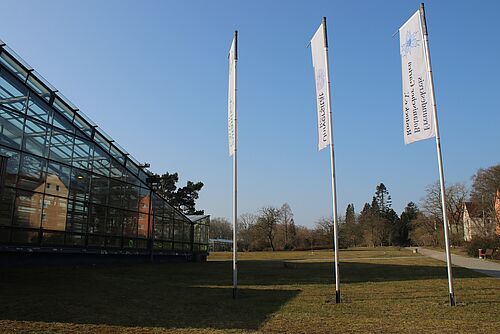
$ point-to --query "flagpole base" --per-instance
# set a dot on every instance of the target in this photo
(452, 299)
(235, 293)
(337, 297)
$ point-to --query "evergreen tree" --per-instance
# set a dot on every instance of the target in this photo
(351, 229)
(386, 219)
(366, 222)
(292, 234)
(350, 215)
(383, 198)
(183, 199)
(409, 214)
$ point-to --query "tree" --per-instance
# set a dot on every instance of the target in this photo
(286, 217)
(267, 223)
(387, 225)
(456, 195)
(292, 234)
(425, 231)
(165, 184)
(183, 199)
(246, 231)
(382, 198)
(409, 214)
(367, 224)
(305, 238)
(486, 191)
(380, 220)
(220, 228)
(392, 227)
(350, 215)
(350, 231)
(324, 231)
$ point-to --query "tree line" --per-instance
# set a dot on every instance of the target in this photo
(377, 224)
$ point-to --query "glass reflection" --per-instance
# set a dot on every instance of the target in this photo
(54, 213)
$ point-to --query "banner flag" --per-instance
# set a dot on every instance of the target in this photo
(320, 64)
(231, 101)
(418, 123)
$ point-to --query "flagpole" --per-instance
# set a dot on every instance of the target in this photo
(440, 161)
(235, 175)
(332, 163)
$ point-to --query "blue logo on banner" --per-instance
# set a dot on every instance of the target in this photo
(411, 41)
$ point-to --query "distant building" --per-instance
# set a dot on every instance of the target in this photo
(476, 223)
(220, 245)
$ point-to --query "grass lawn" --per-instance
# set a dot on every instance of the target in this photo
(384, 290)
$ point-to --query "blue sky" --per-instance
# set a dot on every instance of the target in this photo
(153, 75)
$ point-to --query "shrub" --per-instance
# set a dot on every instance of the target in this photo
(484, 243)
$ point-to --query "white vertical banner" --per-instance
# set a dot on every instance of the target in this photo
(418, 121)
(319, 46)
(419, 106)
(320, 64)
(232, 129)
(231, 100)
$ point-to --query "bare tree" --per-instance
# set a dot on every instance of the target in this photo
(267, 223)
(424, 231)
(305, 238)
(486, 191)
(324, 231)
(456, 195)
(220, 228)
(286, 217)
(246, 230)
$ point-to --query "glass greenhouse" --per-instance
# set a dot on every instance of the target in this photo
(66, 186)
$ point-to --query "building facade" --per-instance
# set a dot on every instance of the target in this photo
(476, 222)
(66, 186)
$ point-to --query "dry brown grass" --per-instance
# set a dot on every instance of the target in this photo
(383, 291)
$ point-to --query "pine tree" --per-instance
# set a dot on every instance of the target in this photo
(350, 215)
(407, 216)
(183, 199)
(383, 198)
(385, 229)
(351, 229)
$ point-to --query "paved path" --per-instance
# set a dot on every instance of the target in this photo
(483, 266)
(354, 259)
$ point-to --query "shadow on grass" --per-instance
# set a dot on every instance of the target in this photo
(188, 295)
(171, 307)
(290, 272)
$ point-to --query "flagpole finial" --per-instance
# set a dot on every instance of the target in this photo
(422, 15)
(236, 44)
(323, 22)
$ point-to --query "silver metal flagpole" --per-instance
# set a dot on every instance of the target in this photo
(235, 175)
(440, 161)
(332, 163)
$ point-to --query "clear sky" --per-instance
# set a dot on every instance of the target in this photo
(153, 75)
